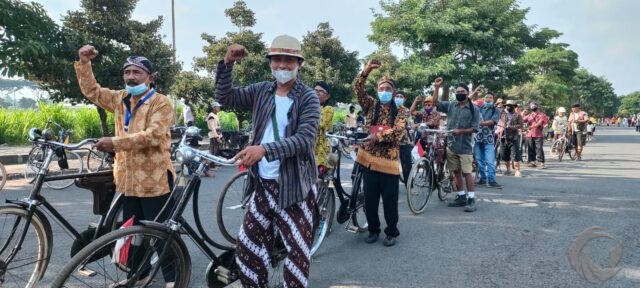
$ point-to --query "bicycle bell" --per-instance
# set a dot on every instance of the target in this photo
(193, 131)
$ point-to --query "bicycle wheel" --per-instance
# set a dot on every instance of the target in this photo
(93, 267)
(232, 205)
(76, 166)
(447, 185)
(359, 217)
(420, 185)
(3, 176)
(29, 263)
(555, 146)
(35, 160)
(326, 209)
(569, 150)
(96, 161)
(561, 146)
(345, 149)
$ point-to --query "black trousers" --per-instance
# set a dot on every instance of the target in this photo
(147, 208)
(377, 184)
(405, 161)
(535, 150)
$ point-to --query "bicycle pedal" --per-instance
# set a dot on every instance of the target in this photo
(86, 272)
(351, 228)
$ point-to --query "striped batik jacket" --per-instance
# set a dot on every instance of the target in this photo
(298, 172)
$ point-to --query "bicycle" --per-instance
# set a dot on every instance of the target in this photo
(351, 208)
(562, 146)
(35, 160)
(162, 241)
(429, 172)
(28, 226)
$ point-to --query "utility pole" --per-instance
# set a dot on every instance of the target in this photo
(173, 32)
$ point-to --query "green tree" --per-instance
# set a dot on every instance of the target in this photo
(326, 59)
(630, 104)
(474, 41)
(198, 89)
(240, 15)
(251, 69)
(106, 25)
(26, 34)
(595, 94)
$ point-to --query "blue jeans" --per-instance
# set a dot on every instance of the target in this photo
(486, 157)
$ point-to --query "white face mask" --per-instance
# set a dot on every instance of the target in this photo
(284, 76)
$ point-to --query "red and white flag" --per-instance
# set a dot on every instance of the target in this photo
(121, 250)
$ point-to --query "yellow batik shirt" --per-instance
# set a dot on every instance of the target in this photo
(142, 154)
(322, 144)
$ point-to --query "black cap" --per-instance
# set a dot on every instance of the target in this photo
(324, 86)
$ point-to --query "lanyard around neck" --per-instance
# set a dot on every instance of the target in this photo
(127, 104)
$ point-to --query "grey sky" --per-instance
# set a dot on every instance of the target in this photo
(603, 33)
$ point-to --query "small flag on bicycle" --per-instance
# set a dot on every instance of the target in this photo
(121, 249)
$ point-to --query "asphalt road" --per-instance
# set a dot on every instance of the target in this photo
(520, 236)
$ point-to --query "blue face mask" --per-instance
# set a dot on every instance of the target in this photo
(488, 104)
(384, 97)
(136, 90)
(399, 101)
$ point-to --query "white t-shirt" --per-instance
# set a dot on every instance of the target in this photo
(187, 114)
(271, 170)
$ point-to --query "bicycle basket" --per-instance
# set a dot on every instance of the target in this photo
(103, 188)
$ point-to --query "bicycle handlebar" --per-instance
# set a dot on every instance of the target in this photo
(359, 141)
(437, 131)
(67, 146)
(188, 153)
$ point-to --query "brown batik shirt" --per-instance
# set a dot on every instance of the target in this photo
(142, 154)
(382, 155)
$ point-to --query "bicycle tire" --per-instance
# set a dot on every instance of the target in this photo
(421, 170)
(86, 260)
(33, 164)
(24, 276)
(75, 166)
(358, 217)
(554, 148)
(113, 221)
(231, 199)
(561, 148)
(325, 213)
(96, 161)
(447, 185)
(3, 176)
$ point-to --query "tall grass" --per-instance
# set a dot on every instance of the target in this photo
(83, 121)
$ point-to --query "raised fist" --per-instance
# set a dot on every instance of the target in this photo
(372, 64)
(87, 53)
(438, 82)
(235, 52)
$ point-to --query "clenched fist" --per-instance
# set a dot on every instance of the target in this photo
(371, 65)
(438, 82)
(235, 52)
(87, 53)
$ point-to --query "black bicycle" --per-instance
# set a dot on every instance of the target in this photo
(35, 160)
(159, 246)
(351, 208)
(26, 237)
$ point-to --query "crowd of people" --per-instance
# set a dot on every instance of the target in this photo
(289, 120)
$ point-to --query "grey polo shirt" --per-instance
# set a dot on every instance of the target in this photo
(460, 117)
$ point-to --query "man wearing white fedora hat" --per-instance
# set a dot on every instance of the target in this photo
(285, 118)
